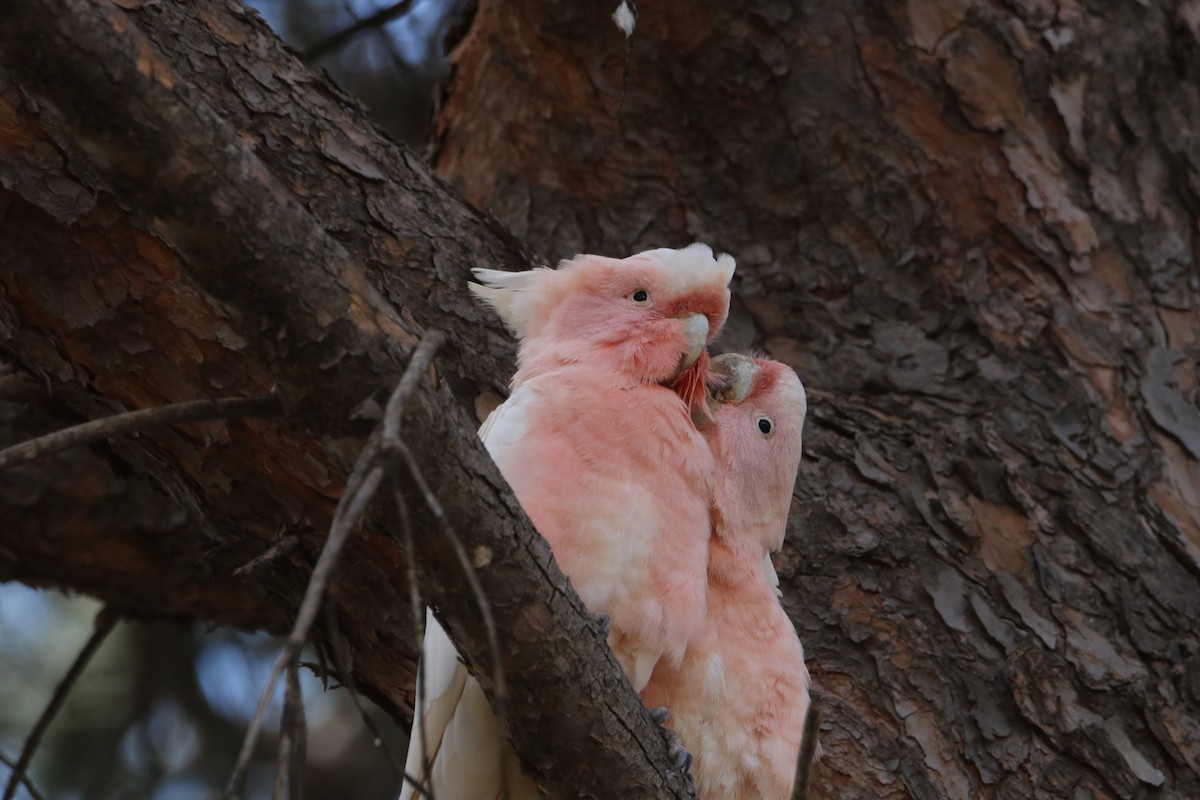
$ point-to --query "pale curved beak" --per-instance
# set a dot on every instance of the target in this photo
(695, 328)
(736, 374)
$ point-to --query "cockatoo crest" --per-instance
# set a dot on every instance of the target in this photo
(638, 316)
(527, 301)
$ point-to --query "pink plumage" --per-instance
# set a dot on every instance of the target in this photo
(738, 699)
(601, 452)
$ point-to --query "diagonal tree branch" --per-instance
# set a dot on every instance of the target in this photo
(313, 320)
(124, 424)
(248, 240)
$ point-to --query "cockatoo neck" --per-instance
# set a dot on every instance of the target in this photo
(754, 511)
(540, 359)
(735, 557)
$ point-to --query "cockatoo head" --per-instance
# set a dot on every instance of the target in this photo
(758, 407)
(648, 317)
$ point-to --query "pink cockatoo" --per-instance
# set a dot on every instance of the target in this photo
(738, 699)
(598, 444)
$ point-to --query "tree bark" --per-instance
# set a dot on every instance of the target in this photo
(187, 213)
(971, 227)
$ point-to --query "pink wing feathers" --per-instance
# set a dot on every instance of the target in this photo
(603, 456)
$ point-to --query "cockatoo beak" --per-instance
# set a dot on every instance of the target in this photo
(735, 375)
(695, 328)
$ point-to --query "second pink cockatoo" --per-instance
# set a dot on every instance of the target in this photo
(739, 698)
(597, 442)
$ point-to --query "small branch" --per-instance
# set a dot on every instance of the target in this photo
(281, 548)
(290, 760)
(336, 40)
(364, 480)
(136, 421)
(345, 674)
(414, 601)
(500, 688)
(29, 787)
(391, 443)
(808, 751)
(421, 359)
(349, 510)
(105, 621)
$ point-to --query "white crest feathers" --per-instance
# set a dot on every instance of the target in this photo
(504, 292)
(520, 297)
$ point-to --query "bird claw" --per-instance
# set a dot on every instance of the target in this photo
(603, 621)
(678, 758)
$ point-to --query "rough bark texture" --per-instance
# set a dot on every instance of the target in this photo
(971, 227)
(188, 213)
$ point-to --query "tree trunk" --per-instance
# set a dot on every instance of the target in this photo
(971, 227)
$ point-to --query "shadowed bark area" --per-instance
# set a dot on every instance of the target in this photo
(188, 213)
(971, 227)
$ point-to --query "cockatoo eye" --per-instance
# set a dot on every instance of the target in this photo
(765, 426)
(640, 296)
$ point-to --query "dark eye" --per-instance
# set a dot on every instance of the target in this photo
(764, 425)
(640, 296)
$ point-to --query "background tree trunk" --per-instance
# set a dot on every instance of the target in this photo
(970, 227)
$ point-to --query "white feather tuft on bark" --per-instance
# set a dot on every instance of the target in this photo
(625, 17)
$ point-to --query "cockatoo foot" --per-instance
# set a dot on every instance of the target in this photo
(603, 620)
(677, 755)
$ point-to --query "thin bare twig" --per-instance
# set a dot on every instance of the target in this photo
(345, 674)
(414, 601)
(390, 441)
(136, 421)
(282, 759)
(105, 621)
(335, 40)
(281, 548)
(29, 787)
(499, 688)
(808, 751)
(290, 760)
(364, 480)
(297, 779)
(349, 510)
(422, 357)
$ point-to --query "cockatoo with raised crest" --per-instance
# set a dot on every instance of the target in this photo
(738, 699)
(597, 442)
